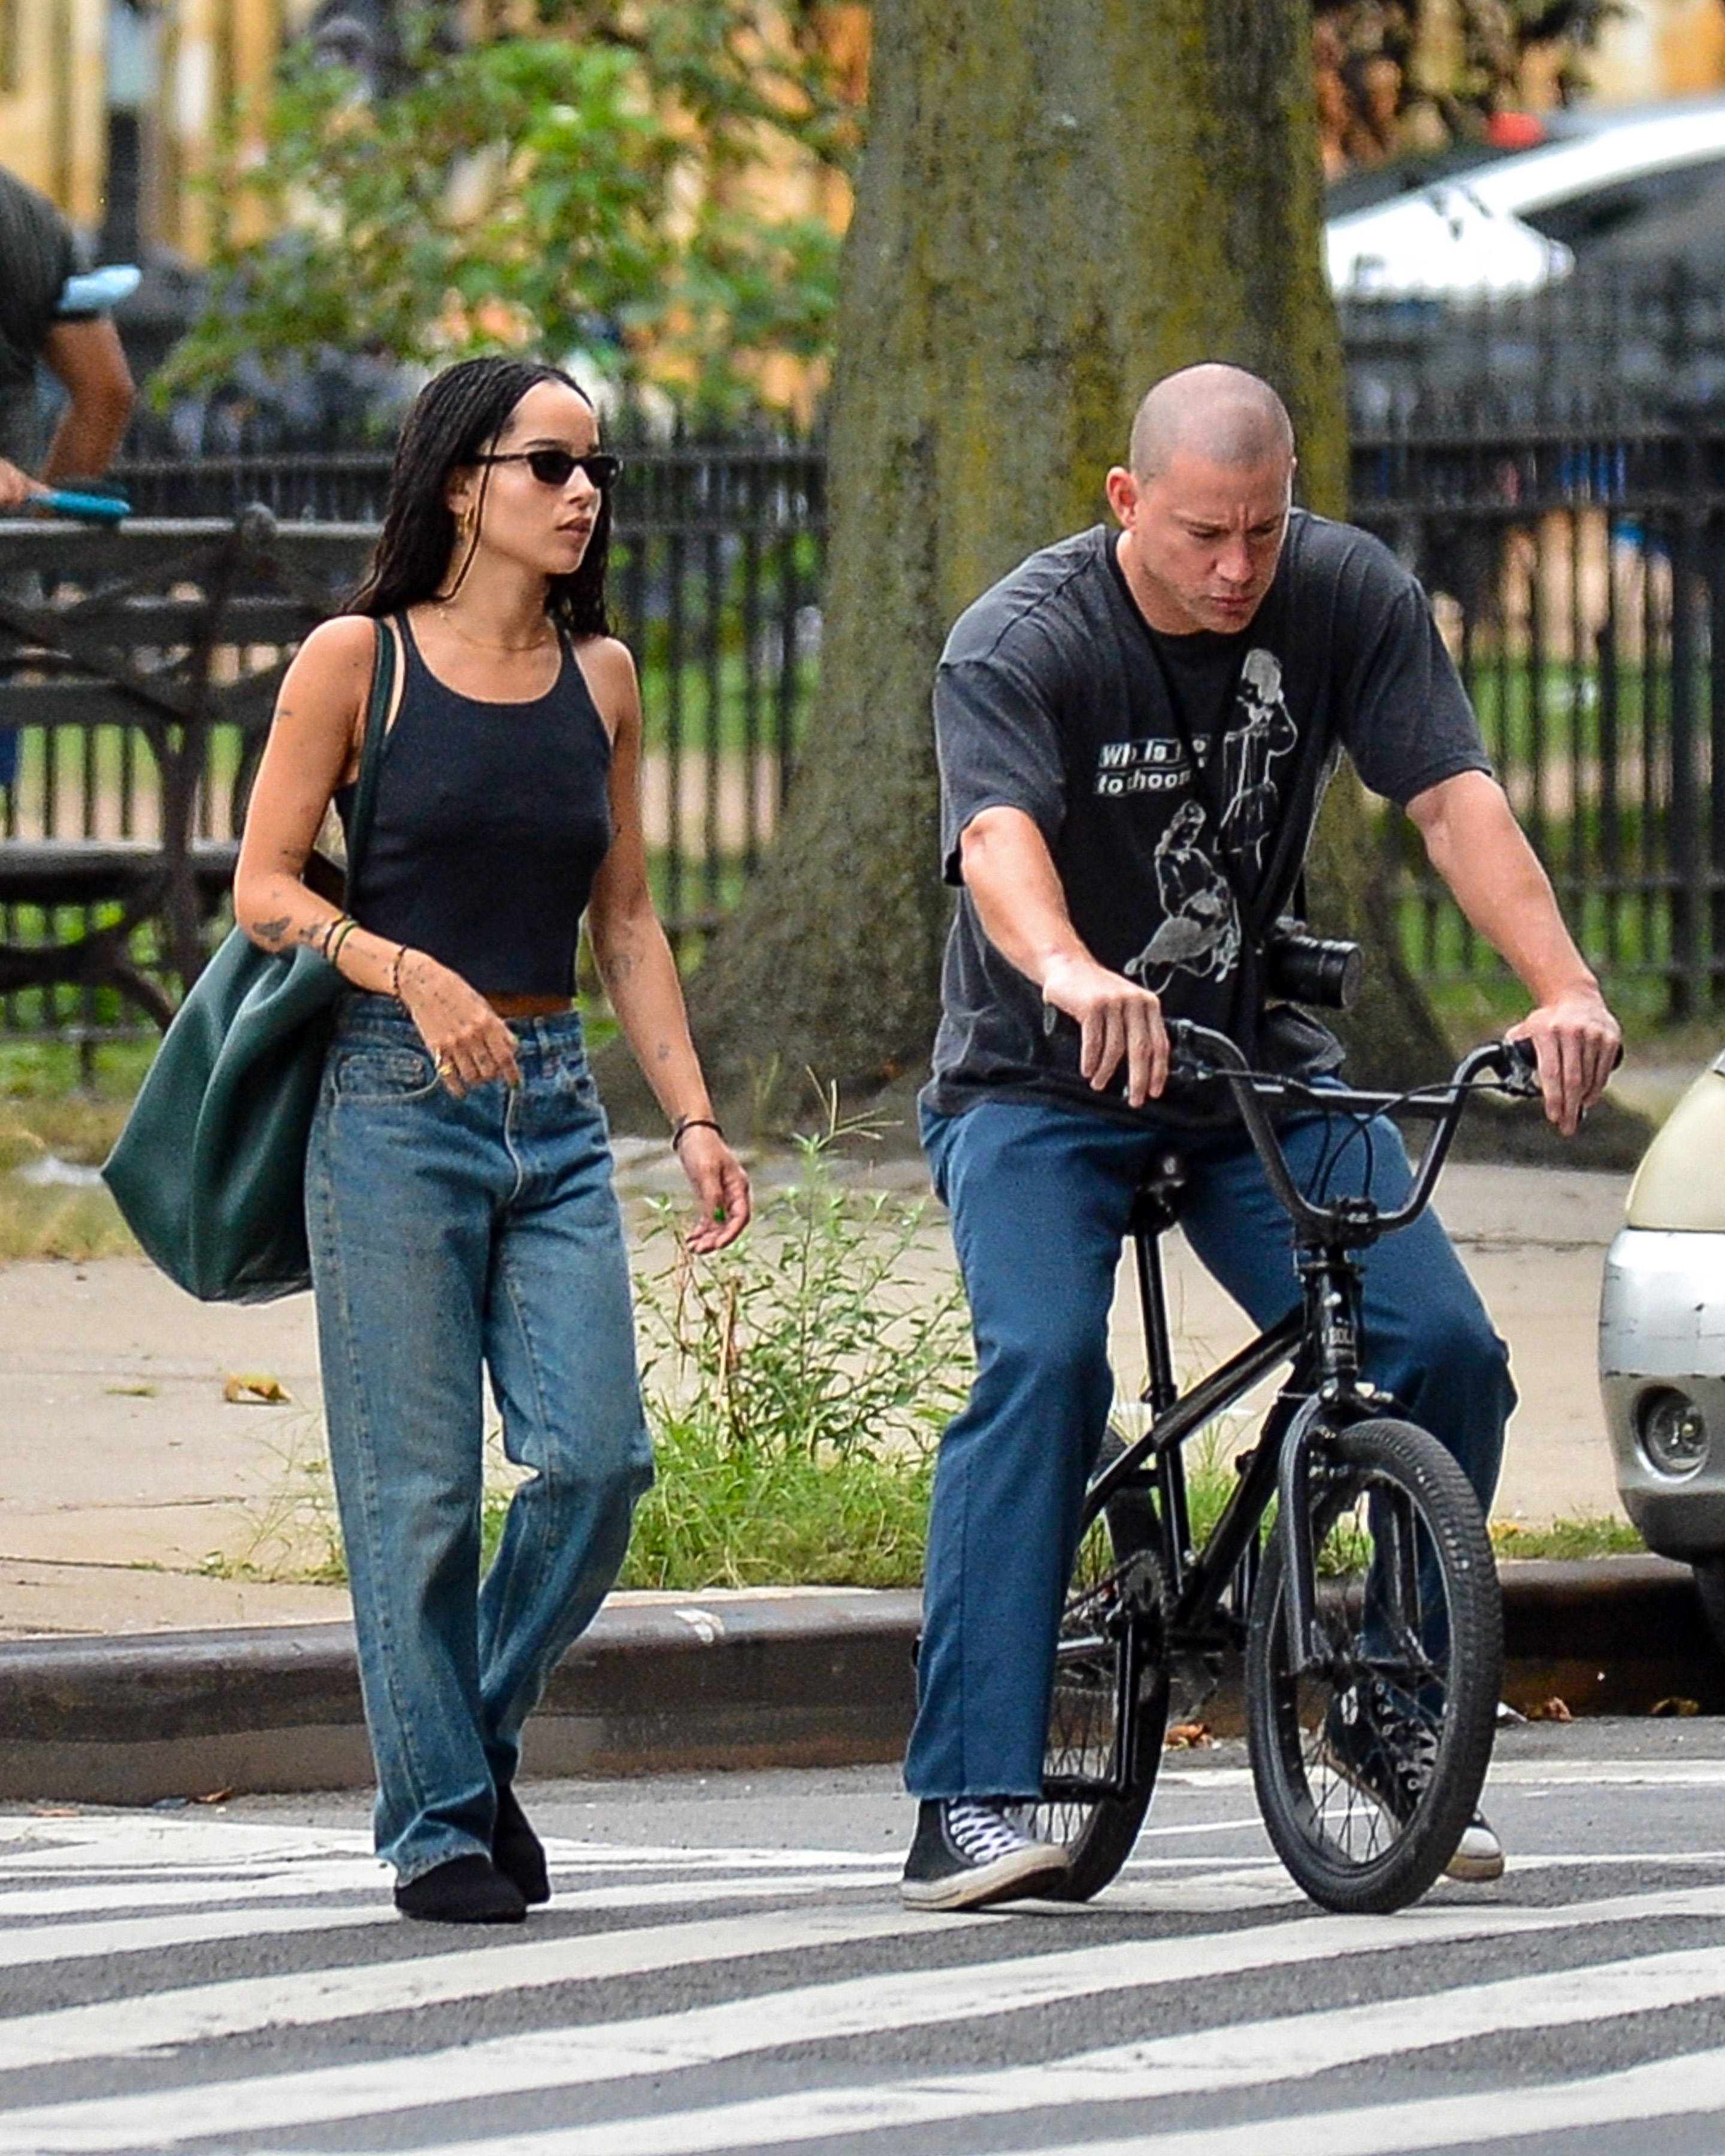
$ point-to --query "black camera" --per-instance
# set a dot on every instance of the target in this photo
(1320, 970)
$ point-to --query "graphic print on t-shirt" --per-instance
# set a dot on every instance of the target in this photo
(1200, 930)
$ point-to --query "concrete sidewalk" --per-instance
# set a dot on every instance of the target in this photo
(136, 1495)
(157, 1454)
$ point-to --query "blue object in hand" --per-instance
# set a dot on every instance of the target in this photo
(92, 508)
(92, 292)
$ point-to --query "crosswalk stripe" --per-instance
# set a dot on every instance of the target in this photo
(56, 1942)
(584, 2055)
(1663, 2088)
(1237, 2056)
(311, 1998)
(23, 1901)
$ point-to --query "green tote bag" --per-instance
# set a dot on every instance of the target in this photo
(210, 1170)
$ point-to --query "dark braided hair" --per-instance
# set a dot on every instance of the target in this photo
(455, 418)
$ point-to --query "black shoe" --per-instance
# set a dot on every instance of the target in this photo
(1380, 1743)
(517, 1851)
(968, 1853)
(467, 1890)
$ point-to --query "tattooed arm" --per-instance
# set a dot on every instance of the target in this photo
(635, 963)
(313, 748)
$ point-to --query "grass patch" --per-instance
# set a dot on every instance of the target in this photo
(796, 1388)
(1588, 1535)
(45, 1116)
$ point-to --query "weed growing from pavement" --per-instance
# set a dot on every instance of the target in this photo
(796, 1386)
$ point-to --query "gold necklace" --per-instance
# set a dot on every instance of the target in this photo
(479, 643)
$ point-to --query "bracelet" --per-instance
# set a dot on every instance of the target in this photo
(684, 1124)
(335, 934)
(401, 953)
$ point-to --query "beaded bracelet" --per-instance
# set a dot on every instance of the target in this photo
(401, 953)
(684, 1124)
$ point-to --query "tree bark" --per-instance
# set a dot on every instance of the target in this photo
(1058, 206)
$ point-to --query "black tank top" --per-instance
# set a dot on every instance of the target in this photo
(490, 825)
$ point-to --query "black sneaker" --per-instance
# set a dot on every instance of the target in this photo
(968, 1853)
(1379, 1743)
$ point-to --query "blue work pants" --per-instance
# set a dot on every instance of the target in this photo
(1039, 1196)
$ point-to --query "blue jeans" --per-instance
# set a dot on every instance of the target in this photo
(1039, 1196)
(449, 1237)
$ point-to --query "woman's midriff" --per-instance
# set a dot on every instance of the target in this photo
(529, 1006)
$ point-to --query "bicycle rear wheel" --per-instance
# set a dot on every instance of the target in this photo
(1116, 1594)
(1369, 1765)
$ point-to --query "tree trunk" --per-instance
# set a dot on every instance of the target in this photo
(1058, 206)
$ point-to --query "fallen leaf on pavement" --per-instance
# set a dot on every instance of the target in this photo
(256, 1388)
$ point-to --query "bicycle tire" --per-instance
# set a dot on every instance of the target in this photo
(1364, 1820)
(1116, 1580)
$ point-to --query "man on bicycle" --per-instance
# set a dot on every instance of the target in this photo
(1135, 729)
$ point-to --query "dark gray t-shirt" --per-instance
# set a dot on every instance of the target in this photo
(37, 253)
(1055, 696)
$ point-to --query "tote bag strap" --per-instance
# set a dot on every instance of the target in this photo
(371, 754)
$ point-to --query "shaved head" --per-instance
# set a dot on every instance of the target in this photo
(1221, 414)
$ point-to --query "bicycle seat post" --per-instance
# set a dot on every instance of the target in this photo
(1156, 1206)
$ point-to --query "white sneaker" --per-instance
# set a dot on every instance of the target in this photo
(1479, 1855)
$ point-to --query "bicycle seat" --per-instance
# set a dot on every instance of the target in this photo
(1157, 1201)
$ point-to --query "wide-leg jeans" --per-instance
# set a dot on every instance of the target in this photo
(1039, 1196)
(449, 1238)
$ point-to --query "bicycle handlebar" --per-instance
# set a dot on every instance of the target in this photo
(1199, 1051)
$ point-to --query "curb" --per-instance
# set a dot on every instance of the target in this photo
(775, 1679)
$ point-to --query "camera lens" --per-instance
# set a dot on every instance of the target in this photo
(1315, 969)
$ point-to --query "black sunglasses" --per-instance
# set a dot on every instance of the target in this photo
(553, 467)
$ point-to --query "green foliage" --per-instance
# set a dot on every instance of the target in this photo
(795, 1387)
(1582, 1535)
(592, 190)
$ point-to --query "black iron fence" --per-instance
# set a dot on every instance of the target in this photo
(1575, 558)
(1578, 578)
(717, 563)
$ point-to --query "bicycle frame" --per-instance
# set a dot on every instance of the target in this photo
(1210, 1588)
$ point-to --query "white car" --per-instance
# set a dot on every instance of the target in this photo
(1517, 224)
(1663, 1342)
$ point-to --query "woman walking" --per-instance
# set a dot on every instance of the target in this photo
(459, 1189)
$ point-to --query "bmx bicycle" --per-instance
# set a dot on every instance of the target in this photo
(1350, 1562)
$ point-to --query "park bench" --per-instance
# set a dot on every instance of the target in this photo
(140, 665)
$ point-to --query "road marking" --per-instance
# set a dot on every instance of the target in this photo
(1240, 2055)
(54, 1942)
(308, 1999)
(1663, 2088)
(585, 2055)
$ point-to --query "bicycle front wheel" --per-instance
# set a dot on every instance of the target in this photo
(1115, 1607)
(1368, 1753)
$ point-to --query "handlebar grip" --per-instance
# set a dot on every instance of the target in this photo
(1516, 1063)
(90, 508)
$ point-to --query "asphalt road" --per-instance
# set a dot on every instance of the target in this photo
(726, 1967)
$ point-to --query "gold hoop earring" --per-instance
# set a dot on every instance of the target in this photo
(464, 523)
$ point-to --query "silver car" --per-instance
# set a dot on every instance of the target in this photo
(1662, 1342)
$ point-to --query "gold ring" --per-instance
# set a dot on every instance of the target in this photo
(444, 1066)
